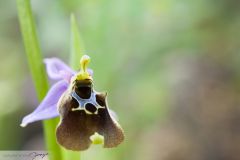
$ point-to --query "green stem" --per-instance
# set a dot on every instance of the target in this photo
(37, 71)
(76, 53)
(77, 47)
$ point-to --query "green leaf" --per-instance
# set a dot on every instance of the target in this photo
(77, 47)
(36, 66)
(32, 48)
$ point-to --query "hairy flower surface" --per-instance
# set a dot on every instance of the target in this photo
(85, 118)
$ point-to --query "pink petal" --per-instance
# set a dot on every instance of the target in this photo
(48, 107)
(57, 69)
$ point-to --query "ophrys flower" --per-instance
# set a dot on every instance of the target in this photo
(84, 114)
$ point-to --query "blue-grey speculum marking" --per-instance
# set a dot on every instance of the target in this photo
(83, 102)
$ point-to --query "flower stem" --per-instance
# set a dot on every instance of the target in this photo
(77, 47)
(34, 57)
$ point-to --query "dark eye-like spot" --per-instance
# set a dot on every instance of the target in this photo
(90, 107)
(83, 91)
(100, 98)
(74, 103)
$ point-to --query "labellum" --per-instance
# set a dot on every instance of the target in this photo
(84, 115)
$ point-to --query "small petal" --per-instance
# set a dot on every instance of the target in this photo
(90, 71)
(57, 69)
(48, 108)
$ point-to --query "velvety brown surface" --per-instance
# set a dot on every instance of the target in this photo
(76, 127)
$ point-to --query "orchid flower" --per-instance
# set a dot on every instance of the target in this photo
(85, 118)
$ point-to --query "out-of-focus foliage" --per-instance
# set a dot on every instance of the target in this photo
(166, 65)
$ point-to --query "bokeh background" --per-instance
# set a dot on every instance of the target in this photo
(171, 68)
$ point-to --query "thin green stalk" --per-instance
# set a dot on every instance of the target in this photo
(77, 47)
(76, 53)
(39, 77)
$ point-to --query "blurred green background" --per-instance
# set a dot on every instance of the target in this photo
(171, 69)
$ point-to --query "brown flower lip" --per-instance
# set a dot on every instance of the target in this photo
(83, 113)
